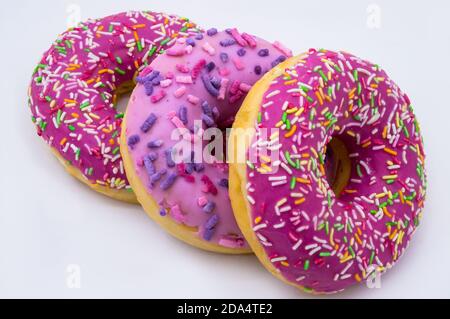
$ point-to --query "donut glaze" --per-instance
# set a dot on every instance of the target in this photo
(300, 230)
(74, 89)
(202, 79)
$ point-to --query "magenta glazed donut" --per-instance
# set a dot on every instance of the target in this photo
(74, 89)
(197, 84)
(307, 229)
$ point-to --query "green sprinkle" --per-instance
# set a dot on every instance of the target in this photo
(293, 182)
(119, 116)
(165, 41)
(325, 254)
(71, 128)
(306, 265)
(120, 71)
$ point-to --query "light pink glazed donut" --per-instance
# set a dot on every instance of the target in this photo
(302, 230)
(201, 79)
(74, 88)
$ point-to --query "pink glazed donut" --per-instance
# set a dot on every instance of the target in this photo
(74, 89)
(313, 228)
(197, 84)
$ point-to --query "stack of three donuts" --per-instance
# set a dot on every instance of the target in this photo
(336, 188)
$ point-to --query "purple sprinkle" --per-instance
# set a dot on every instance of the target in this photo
(182, 114)
(149, 166)
(148, 78)
(209, 122)
(210, 66)
(148, 86)
(258, 70)
(209, 207)
(189, 169)
(209, 87)
(149, 122)
(169, 160)
(162, 212)
(190, 41)
(241, 52)
(153, 156)
(223, 183)
(280, 59)
(216, 82)
(133, 140)
(199, 36)
(157, 177)
(199, 167)
(211, 32)
(168, 182)
(263, 52)
(227, 42)
(224, 57)
(155, 144)
(207, 109)
(215, 113)
(212, 222)
(208, 234)
(157, 80)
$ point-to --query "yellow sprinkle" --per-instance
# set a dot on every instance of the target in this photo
(258, 219)
(284, 263)
(386, 177)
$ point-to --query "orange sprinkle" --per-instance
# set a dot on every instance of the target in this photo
(139, 26)
(385, 211)
(358, 278)
(303, 180)
(63, 141)
(75, 115)
(319, 98)
(258, 219)
(291, 132)
(300, 201)
(389, 151)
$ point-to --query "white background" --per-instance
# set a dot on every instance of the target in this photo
(48, 220)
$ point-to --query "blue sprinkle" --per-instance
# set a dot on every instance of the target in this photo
(148, 86)
(212, 222)
(149, 166)
(224, 57)
(209, 207)
(155, 144)
(209, 121)
(227, 42)
(258, 70)
(280, 59)
(210, 66)
(263, 52)
(215, 113)
(223, 183)
(211, 32)
(149, 122)
(241, 52)
(133, 140)
(199, 36)
(209, 87)
(190, 41)
(182, 114)
(169, 160)
(208, 234)
(168, 182)
(162, 212)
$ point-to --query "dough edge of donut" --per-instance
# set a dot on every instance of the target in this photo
(182, 232)
(122, 195)
(246, 118)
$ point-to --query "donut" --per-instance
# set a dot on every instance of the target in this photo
(313, 224)
(194, 88)
(74, 89)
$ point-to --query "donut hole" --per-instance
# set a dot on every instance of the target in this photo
(337, 165)
(123, 94)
